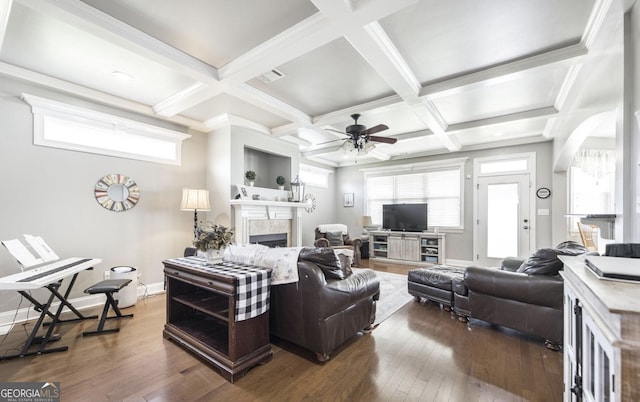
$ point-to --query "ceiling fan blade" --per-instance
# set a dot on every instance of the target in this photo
(375, 129)
(386, 140)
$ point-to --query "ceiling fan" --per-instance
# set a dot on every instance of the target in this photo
(359, 135)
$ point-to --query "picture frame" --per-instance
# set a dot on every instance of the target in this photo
(347, 200)
(243, 192)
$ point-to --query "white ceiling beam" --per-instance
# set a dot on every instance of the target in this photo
(499, 72)
(5, 10)
(258, 98)
(377, 106)
(430, 116)
(334, 21)
(540, 113)
(376, 48)
(185, 99)
(93, 95)
(321, 151)
(379, 155)
(596, 19)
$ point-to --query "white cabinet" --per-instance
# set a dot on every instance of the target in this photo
(408, 247)
(404, 247)
(601, 336)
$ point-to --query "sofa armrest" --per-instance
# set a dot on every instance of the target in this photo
(355, 242)
(511, 264)
(541, 290)
(321, 242)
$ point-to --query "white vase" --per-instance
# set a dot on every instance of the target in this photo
(280, 188)
(252, 183)
(214, 256)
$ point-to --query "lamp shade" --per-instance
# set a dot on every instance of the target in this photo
(195, 200)
(365, 221)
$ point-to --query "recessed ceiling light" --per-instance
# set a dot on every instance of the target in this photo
(122, 76)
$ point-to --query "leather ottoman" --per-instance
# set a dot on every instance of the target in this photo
(435, 284)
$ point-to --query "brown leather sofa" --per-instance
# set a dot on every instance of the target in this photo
(327, 307)
(525, 295)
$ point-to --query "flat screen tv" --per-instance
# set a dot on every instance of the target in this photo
(404, 217)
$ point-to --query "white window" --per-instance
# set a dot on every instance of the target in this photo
(440, 185)
(64, 126)
(314, 176)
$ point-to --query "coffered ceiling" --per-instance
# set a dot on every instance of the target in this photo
(443, 75)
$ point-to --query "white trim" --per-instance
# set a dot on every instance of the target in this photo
(45, 110)
(531, 171)
(416, 167)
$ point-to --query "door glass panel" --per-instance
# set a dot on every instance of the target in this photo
(502, 220)
(606, 375)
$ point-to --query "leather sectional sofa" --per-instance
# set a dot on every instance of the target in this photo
(525, 295)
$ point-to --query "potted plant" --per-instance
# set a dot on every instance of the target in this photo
(250, 175)
(280, 181)
(212, 240)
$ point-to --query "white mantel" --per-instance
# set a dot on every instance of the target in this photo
(248, 210)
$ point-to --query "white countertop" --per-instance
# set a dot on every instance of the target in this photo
(616, 295)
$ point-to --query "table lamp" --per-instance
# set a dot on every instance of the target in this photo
(365, 222)
(195, 200)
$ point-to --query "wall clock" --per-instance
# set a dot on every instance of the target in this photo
(543, 193)
(117, 192)
(310, 200)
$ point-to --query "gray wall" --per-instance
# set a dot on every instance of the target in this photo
(49, 192)
(459, 244)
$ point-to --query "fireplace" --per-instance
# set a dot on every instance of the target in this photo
(258, 217)
(270, 240)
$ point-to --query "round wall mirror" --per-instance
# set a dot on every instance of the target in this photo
(117, 192)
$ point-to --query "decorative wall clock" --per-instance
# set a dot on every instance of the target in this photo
(310, 200)
(117, 192)
(543, 193)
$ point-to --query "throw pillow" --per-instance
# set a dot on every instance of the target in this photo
(325, 258)
(545, 261)
(335, 238)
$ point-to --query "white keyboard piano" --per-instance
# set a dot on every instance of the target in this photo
(45, 274)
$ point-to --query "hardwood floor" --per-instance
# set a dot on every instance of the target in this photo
(420, 353)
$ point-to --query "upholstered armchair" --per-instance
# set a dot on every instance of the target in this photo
(337, 237)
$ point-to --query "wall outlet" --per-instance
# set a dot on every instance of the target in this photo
(106, 274)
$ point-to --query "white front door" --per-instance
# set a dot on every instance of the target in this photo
(503, 221)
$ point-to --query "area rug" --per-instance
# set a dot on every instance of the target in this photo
(393, 295)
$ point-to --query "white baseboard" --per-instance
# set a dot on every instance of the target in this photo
(10, 318)
(458, 263)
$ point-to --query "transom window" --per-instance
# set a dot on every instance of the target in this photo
(64, 126)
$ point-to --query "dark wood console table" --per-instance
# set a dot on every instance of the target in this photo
(206, 313)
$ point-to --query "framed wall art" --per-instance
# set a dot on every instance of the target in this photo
(347, 200)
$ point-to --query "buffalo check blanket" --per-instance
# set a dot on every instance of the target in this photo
(252, 283)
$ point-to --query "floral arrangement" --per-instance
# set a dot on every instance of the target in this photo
(212, 237)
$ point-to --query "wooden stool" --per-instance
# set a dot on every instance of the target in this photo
(108, 287)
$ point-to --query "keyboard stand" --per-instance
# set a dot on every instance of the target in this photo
(40, 340)
(45, 310)
(64, 301)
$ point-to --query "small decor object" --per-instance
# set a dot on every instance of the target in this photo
(280, 182)
(212, 240)
(347, 200)
(117, 192)
(543, 193)
(250, 175)
(297, 189)
(243, 192)
(310, 200)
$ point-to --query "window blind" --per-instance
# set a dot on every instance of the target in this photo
(440, 189)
